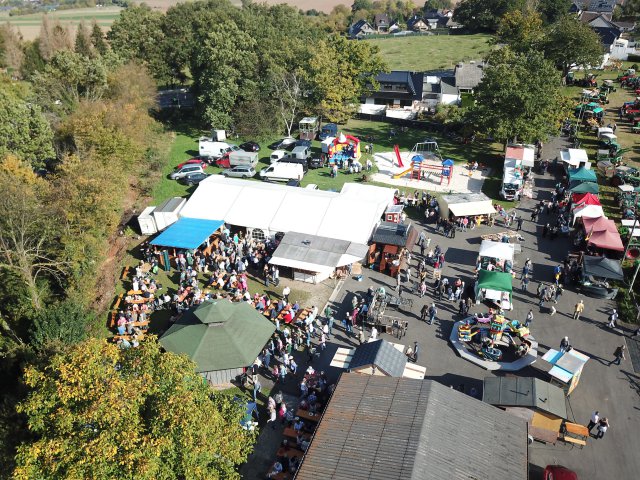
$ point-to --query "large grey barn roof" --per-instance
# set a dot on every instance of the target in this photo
(404, 429)
(527, 392)
(317, 250)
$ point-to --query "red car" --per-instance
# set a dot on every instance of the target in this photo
(193, 161)
(558, 472)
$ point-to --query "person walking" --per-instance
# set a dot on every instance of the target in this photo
(578, 309)
(519, 224)
(525, 283)
(432, 313)
(619, 355)
(613, 317)
(423, 312)
(603, 426)
(595, 418)
(361, 336)
(416, 349)
(286, 291)
(257, 386)
(529, 318)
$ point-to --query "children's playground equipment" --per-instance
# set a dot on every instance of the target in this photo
(344, 148)
(495, 330)
(428, 149)
(421, 170)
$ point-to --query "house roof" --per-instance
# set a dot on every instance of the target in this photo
(414, 20)
(381, 19)
(528, 392)
(608, 35)
(468, 75)
(380, 354)
(412, 80)
(391, 428)
(219, 335)
(586, 17)
(359, 26)
(447, 86)
(624, 24)
(602, 5)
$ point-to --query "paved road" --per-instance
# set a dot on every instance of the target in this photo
(613, 390)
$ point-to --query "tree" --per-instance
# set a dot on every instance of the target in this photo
(64, 322)
(28, 245)
(83, 44)
(483, 15)
(33, 61)
(11, 53)
(289, 93)
(254, 118)
(339, 73)
(147, 413)
(522, 31)
(569, 42)
(53, 38)
(97, 39)
(430, 5)
(552, 10)
(28, 134)
(519, 98)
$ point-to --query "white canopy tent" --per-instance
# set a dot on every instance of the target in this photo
(465, 204)
(499, 250)
(588, 211)
(575, 157)
(350, 215)
(522, 154)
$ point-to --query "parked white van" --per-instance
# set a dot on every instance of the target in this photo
(277, 155)
(282, 172)
(211, 148)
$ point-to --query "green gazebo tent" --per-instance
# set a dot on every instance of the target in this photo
(221, 337)
(495, 281)
(586, 187)
(581, 175)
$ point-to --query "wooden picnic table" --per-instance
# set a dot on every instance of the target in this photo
(184, 294)
(140, 301)
(290, 452)
(305, 415)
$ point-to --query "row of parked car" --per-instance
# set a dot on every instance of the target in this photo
(290, 160)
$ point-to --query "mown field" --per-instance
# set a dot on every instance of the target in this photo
(429, 52)
(29, 25)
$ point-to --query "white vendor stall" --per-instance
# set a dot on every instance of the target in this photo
(575, 158)
(465, 205)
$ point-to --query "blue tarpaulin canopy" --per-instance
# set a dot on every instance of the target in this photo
(448, 163)
(188, 233)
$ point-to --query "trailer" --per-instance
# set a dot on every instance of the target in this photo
(308, 128)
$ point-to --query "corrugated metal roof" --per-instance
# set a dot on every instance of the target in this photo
(390, 233)
(394, 428)
(381, 354)
(317, 250)
(528, 392)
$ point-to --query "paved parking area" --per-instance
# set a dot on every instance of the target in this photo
(613, 390)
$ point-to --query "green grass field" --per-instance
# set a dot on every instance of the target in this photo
(430, 52)
(29, 25)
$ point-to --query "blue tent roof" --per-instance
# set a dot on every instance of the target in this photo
(448, 163)
(188, 233)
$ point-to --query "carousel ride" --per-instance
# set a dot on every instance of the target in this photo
(494, 342)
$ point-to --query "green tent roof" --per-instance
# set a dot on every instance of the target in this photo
(499, 281)
(219, 335)
(586, 187)
(582, 175)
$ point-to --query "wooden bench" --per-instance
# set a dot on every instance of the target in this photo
(135, 292)
(573, 441)
(305, 415)
(114, 311)
(125, 273)
(140, 336)
(291, 433)
(290, 452)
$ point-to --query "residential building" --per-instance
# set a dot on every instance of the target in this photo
(468, 76)
(360, 29)
(398, 95)
(381, 23)
(417, 24)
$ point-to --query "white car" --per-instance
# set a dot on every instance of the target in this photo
(241, 171)
(277, 155)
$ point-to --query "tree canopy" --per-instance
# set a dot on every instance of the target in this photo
(484, 15)
(569, 41)
(97, 411)
(520, 98)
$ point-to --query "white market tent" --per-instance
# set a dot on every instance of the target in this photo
(523, 154)
(465, 204)
(588, 211)
(269, 208)
(575, 157)
(499, 250)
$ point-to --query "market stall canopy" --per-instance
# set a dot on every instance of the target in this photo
(316, 254)
(524, 154)
(586, 199)
(498, 281)
(585, 187)
(608, 240)
(466, 204)
(219, 335)
(528, 392)
(602, 267)
(500, 250)
(188, 233)
(588, 211)
(582, 175)
(574, 156)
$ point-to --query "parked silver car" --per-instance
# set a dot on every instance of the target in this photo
(186, 169)
(241, 171)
